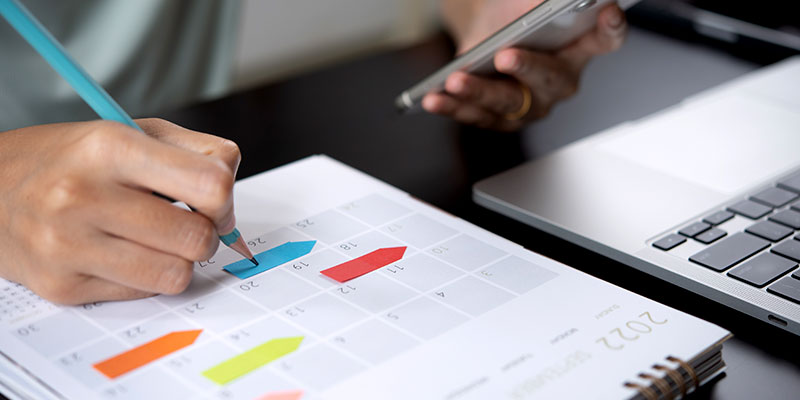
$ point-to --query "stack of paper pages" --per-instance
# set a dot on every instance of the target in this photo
(362, 292)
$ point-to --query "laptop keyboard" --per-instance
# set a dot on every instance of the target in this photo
(765, 253)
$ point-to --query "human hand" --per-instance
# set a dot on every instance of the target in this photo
(545, 78)
(79, 222)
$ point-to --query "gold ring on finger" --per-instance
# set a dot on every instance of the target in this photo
(527, 101)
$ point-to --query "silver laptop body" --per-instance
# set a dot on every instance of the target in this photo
(633, 191)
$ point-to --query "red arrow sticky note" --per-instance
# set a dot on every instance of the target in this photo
(146, 353)
(364, 264)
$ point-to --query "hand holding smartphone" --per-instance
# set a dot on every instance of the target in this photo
(549, 26)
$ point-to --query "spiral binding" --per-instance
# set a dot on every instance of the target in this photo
(688, 368)
(676, 376)
(645, 391)
(661, 384)
(663, 389)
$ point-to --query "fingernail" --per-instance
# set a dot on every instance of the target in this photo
(615, 20)
(509, 62)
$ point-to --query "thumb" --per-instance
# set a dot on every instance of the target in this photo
(607, 36)
(209, 146)
(202, 143)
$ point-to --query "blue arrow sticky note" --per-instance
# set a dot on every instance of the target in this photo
(270, 259)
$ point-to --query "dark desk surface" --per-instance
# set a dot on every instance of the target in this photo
(346, 112)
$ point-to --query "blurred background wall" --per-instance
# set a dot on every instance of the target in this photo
(280, 38)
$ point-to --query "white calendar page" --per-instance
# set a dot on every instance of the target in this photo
(459, 314)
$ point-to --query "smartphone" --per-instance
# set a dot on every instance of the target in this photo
(549, 26)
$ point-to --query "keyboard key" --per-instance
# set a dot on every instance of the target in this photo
(750, 209)
(694, 229)
(769, 230)
(719, 217)
(789, 218)
(791, 183)
(711, 236)
(774, 197)
(788, 288)
(796, 206)
(669, 242)
(762, 269)
(788, 249)
(729, 252)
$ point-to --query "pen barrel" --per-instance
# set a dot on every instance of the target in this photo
(51, 50)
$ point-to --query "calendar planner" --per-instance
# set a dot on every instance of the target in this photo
(362, 291)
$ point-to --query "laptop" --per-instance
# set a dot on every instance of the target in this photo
(705, 194)
(761, 32)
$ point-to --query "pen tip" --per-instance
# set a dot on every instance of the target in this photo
(254, 261)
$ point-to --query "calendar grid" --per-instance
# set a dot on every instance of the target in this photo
(436, 286)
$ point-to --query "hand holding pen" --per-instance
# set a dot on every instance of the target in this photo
(79, 219)
(79, 223)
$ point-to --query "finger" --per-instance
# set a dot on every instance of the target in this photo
(547, 77)
(439, 104)
(500, 96)
(444, 105)
(461, 111)
(210, 145)
(471, 114)
(154, 223)
(139, 267)
(201, 181)
(607, 36)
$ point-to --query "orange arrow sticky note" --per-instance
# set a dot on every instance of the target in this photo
(146, 353)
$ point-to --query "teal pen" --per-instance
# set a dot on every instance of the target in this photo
(92, 93)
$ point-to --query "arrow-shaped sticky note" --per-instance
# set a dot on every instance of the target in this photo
(364, 264)
(146, 353)
(271, 258)
(285, 395)
(250, 360)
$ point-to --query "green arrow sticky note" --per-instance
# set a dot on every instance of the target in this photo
(238, 366)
